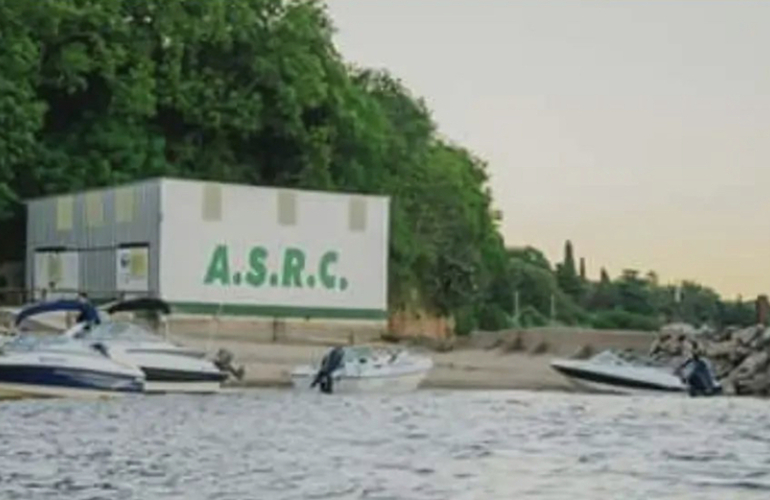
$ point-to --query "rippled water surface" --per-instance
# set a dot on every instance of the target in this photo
(426, 445)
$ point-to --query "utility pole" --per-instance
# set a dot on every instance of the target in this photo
(678, 302)
(516, 308)
(553, 308)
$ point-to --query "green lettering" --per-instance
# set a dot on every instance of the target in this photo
(293, 265)
(258, 273)
(219, 267)
(328, 280)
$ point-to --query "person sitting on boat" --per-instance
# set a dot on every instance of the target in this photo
(84, 316)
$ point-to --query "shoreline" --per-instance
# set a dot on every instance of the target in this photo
(268, 365)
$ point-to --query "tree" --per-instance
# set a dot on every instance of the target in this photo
(530, 255)
(566, 274)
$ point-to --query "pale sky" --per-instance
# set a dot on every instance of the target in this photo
(639, 130)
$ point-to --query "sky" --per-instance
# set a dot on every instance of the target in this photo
(638, 130)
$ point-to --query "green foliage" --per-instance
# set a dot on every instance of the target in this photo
(96, 92)
(624, 320)
(567, 276)
(632, 301)
(492, 317)
(531, 256)
(531, 317)
(736, 313)
(465, 321)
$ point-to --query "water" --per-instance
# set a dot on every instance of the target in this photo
(427, 445)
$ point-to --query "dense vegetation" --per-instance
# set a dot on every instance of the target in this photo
(97, 92)
(634, 301)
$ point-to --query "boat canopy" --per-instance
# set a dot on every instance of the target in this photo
(140, 304)
(87, 310)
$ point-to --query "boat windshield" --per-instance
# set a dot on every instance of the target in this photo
(617, 357)
(31, 342)
(369, 353)
(358, 352)
(118, 330)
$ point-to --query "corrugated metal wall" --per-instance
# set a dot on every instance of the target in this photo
(96, 223)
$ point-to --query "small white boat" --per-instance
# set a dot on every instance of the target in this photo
(363, 369)
(52, 366)
(168, 367)
(611, 372)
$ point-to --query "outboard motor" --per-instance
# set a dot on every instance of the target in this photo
(224, 362)
(700, 378)
(329, 364)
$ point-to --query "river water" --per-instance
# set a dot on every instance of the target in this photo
(427, 445)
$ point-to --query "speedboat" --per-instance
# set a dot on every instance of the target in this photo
(40, 365)
(613, 372)
(167, 367)
(353, 369)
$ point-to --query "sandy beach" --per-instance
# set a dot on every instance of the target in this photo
(483, 362)
(269, 365)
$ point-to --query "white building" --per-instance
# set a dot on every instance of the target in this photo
(210, 248)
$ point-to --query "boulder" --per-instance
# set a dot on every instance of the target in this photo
(753, 364)
(740, 356)
(747, 335)
(720, 349)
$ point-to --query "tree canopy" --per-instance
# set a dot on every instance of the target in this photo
(96, 92)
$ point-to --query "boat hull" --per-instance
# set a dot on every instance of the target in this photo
(17, 381)
(610, 380)
(194, 387)
(169, 371)
(164, 380)
(393, 384)
(30, 391)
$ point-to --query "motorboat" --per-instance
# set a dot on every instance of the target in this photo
(625, 373)
(167, 367)
(352, 369)
(611, 372)
(44, 365)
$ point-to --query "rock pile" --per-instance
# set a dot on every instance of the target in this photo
(741, 357)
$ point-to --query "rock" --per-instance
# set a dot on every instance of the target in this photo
(666, 343)
(675, 329)
(758, 385)
(752, 365)
(718, 349)
(584, 352)
(747, 335)
(740, 356)
(763, 340)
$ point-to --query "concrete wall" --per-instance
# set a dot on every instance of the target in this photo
(563, 341)
(410, 324)
(264, 330)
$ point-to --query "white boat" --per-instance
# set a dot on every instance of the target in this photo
(612, 372)
(167, 367)
(51, 366)
(355, 369)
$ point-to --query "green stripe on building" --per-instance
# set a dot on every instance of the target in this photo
(269, 311)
